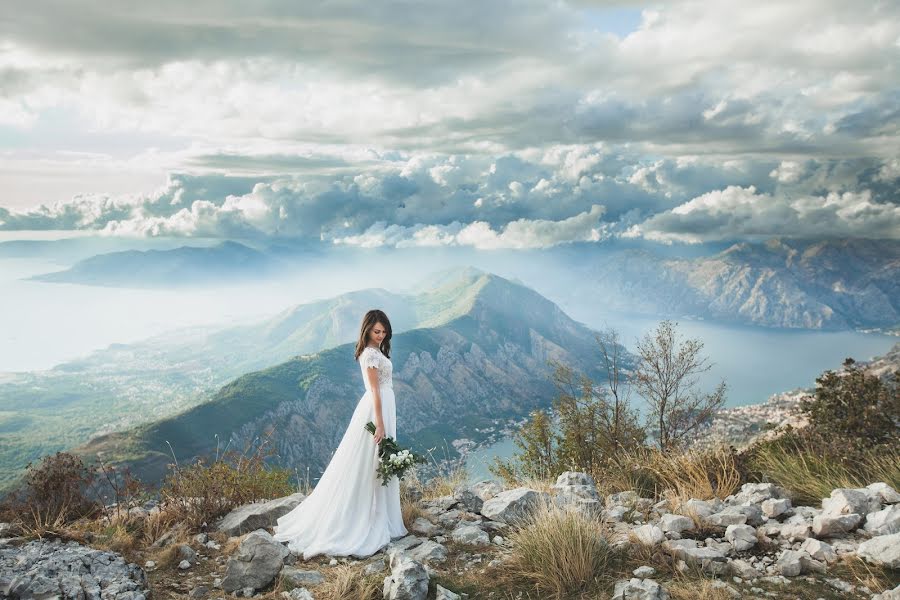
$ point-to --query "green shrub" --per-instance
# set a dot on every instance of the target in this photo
(855, 407)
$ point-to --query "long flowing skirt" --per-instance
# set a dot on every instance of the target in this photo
(349, 512)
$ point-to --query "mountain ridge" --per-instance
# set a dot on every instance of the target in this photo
(467, 372)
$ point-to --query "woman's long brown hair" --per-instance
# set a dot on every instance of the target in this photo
(369, 320)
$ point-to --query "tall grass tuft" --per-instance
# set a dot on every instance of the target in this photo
(346, 582)
(562, 552)
(702, 474)
(810, 473)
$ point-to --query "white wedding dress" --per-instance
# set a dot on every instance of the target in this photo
(349, 512)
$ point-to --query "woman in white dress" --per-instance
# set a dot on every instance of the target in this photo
(350, 513)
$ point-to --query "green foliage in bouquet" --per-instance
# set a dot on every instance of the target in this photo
(393, 459)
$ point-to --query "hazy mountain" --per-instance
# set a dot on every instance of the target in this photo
(128, 384)
(487, 360)
(182, 266)
(834, 284)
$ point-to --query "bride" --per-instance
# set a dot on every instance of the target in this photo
(350, 513)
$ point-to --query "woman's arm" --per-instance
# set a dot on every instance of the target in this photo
(372, 374)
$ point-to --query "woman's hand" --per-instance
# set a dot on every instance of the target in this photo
(379, 433)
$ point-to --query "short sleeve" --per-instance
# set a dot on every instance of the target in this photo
(369, 358)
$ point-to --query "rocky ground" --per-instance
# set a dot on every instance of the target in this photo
(753, 544)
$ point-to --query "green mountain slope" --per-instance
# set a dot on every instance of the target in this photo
(489, 362)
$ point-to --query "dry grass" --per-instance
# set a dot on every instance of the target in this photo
(810, 476)
(231, 545)
(166, 557)
(347, 582)
(561, 552)
(409, 503)
(857, 571)
(692, 589)
(446, 484)
(702, 474)
(156, 524)
(122, 540)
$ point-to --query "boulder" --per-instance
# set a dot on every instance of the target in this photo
(749, 514)
(885, 493)
(742, 568)
(741, 537)
(486, 489)
(574, 485)
(882, 550)
(468, 499)
(256, 562)
(301, 577)
(424, 527)
(648, 534)
(466, 533)
(639, 589)
(756, 493)
(884, 522)
(709, 559)
(699, 508)
(258, 515)
(512, 506)
(42, 569)
(405, 543)
(429, 552)
(408, 579)
(675, 523)
(442, 593)
(893, 594)
(826, 525)
(819, 550)
(774, 507)
(845, 501)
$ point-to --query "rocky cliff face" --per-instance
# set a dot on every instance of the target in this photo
(840, 284)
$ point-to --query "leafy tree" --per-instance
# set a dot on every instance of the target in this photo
(855, 406)
(666, 377)
(595, 424)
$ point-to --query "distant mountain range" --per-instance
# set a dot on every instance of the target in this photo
(125, 386)
(833, 284)
(183, 266)
(785, 283)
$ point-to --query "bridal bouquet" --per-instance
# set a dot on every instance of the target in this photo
(392, 459)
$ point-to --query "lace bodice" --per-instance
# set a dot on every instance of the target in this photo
(372, 357)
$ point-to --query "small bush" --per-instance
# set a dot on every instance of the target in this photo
(201, 492)
(561, 552)
(53, 495)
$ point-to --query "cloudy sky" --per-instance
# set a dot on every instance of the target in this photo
(491, 124)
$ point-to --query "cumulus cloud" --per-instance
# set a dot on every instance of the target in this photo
(532, 198)
(737, 212)
(518, 234)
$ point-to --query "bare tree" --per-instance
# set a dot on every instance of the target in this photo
(666, 377)
(622, 417)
